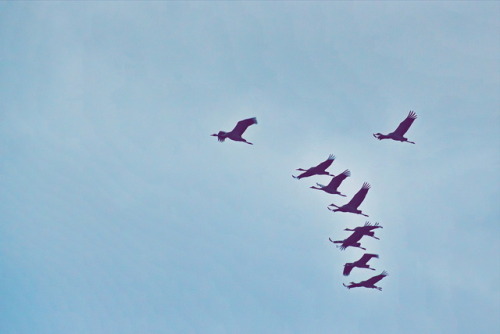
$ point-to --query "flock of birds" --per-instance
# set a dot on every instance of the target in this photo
(352, 206)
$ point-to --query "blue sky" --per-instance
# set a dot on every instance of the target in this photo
(119, 214)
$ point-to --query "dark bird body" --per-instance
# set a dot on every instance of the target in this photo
(366, 229)
(236, 133)
(332, 187)
(361, 263)
(317, 170)
(399, 133)
(355, 202)
(351, 241)
(369, 283)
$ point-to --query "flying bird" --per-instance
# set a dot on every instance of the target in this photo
(332, 187)
(317, 170)
(351, 241)
(236, 133)
(400, 131)
(361, 263)
(353, 204)
(369, 283)
(366, 229)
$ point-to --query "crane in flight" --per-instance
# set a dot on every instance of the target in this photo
(354, 203)
(351, 241)
(236, 133)
(361, 263)
(366, 229)
(369, 283)
(399, 133)
(332, 187)
(317, 170)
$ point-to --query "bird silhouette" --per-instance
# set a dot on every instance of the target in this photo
(398, 135)
(369, 283)
(366, 229)
(353, 204)
(317, 170)
(361, 263)
(332, 187)
(351, 241)
(236, 133)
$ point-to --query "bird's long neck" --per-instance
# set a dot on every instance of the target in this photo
(381, 136)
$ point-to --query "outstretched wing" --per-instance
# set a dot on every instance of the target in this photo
(374, 279)
(405, 125)
(353, 238)
(337, 180)
(367, 257)
(325, 164)
(241, 126)
(360, 196)
(367, 227)
(347, 269)
(373, 227)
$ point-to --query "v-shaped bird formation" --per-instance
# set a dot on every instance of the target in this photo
(368, 229)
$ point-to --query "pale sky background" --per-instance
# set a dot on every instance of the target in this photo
(120, 215)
